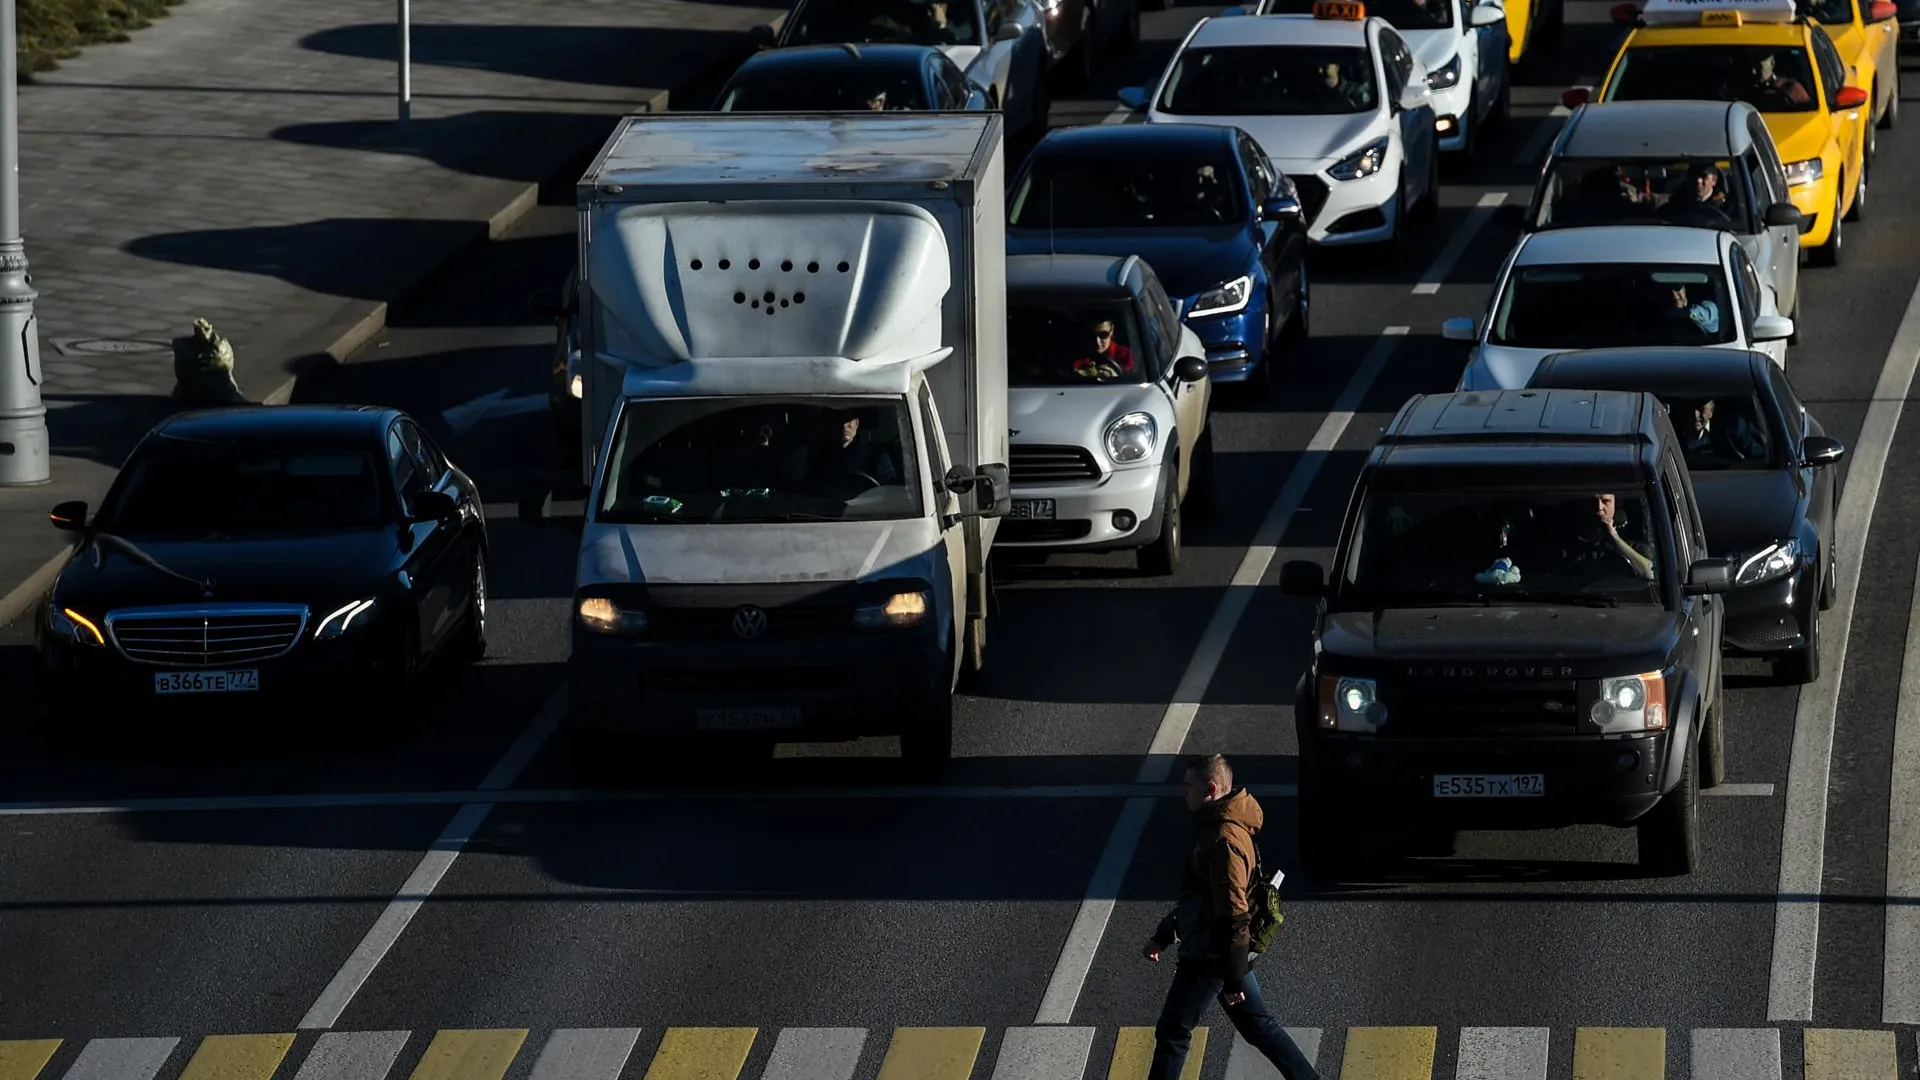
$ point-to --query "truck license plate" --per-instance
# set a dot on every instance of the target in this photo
(748, 719)
(205, 682)
(1504, 786)
(1032, 510)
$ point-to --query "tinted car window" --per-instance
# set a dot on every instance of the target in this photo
(1281, 80)
(1721, 431)
(1613, 304)
(918, 22)
(829, 90)
(199, 490)
(1076, 344)
(1128, 191)
(1770, 78)
(1589, 191)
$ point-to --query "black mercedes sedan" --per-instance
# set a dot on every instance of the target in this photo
(317, 555)
(1758, 461)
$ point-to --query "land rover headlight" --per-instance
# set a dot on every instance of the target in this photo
(1350, 704)
(1131, 438)
(64, 622)
(603, 616)
(1446, 75)
(344, 618)
(1773, 561)
(899, 612)
(1224, 299)
(1631, 703)
(1804, 172)
(1362, 163)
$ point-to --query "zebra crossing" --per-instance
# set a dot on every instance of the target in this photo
(963, 1053)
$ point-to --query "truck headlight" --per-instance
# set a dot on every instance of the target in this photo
(1362, 163)
(603, 616)
(1131, 438)
(899, 612)
(1631, 703)
(1804, 172)
(1224, 299)
(72, 626)
(1446, 75)
(1350, 704)
(344, 618)
(1772, 561)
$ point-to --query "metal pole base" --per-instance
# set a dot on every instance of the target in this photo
(25, 457)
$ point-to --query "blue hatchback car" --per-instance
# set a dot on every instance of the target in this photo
(1220, 226)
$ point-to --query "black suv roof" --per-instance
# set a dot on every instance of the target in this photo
(1561, 434)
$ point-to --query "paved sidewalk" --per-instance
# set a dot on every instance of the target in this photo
(238, 161)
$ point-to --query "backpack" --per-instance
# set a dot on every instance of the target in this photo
(1263, 904)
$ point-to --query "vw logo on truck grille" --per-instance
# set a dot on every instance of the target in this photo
(749, 622)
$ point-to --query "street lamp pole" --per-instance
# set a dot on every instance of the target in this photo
(24, 456)
(405, 20)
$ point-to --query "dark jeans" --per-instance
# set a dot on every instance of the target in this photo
(1187, 998)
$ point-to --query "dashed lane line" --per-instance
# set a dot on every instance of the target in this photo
(1443, 263)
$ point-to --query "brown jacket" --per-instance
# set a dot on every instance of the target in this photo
(1212, 919)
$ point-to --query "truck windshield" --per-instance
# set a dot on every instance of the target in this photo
(1702, 193)
(1418, 548)
(1596, 305)
(1076, 344)
(704, 460)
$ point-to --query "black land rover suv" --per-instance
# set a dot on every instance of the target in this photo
(1520, 630)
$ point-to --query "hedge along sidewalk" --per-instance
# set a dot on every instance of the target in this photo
(237, 161)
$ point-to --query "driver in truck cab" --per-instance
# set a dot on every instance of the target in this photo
(847, 453)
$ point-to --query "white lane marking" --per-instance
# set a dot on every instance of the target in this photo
(1900, 986)
(1477, 219)
(1090, 922)
(1308, 1040)
(1536, 143)
(1503, 1053)
(353, 1055)
(1803, 838)
(815, 1054)
(1044, 1053)
(122, 1059)
(1736, 1054)
(585, 1054)
(433, 866)
(1119, 115)
(1748, 791)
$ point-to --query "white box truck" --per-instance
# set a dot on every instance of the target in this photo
(794, 424)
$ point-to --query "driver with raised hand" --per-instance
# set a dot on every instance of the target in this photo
(1598, 540)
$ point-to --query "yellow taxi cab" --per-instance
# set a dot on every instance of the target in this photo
(1867, 33)
(1787, 67)
(1535, 22)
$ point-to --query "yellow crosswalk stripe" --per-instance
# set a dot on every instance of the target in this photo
(1133, 1054)
(1619, 1053)
(238, 1057)
(702, 1053)
(22, 1059)
(470, 1054)
(1389, 1053)
(932, 1053)
(1851, 1055)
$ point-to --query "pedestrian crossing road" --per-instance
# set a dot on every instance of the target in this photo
(960, 1053)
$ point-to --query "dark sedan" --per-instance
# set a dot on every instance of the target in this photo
(1202, 204)
(1758, 460)
(843, 78)
(307, 554)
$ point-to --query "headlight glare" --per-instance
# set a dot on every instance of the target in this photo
(1362, 163)
(1631, 703)
(1131, 438)
(1770, 562)
(1224, 299)
(1350, 704)
(344, 618)
(69, 624)
(1804, 172)
(1446, 75)
(603, 616)
(900, 611)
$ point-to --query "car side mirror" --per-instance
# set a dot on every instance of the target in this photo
(1820, 450)
(69, 516)
(1487, 15)
(1415, 96)
(1709, 576)
(1882, 10)
(1576, 97)
(1458, 330)
(1302, 577)
(1134, 97)
(762, 36)
(1190, 369)
(433, 506)
(1008, 32)
(1850, 97)
(1783, 214)
(1772, 328)
(546, 303)
(1280, 208)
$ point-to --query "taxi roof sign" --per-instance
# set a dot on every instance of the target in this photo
(1345, 10)
(1717, 12)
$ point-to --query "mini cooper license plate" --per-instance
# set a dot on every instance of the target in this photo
(1502, 786)
(1031, 510)
(205, 682)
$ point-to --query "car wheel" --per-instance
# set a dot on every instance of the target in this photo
(1892, 115)
(1297, 325)
(1089, 54)
(927, 747)
(1427, 207)
(1669, 834)
(1398, 236)
(472, 645)
(1713, 739)
(1503, 106)
(1828, 254)
(1200, 483)
(1860, 193)
(1794, 338)
(1802, 666)
(1830, 583)
(1162, 557)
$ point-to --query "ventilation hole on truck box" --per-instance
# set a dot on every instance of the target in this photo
(813, 268)
(769, 309)
(726, 264)
(844, 268)
(739, 298)
(753, 264)
(695, 264)
(783, 303)
(756, 304)
(799, 298)
(786, 266)
(769, 297)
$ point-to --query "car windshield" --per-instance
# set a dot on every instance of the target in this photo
(1771, 78)
(1599, 305)
(700, 460)
(1400, 14)
(1270, 80)
(843, 92)
(1127, 191)
(1498, 546)
(178, 488)
(1721, 431)
(1706, 193)
(914, 22)
(1075, 344)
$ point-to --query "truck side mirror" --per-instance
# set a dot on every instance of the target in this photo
(1709, 576)
(1783, 214)
(1302, 577)
(546, 303)
(994, 495)
(69, 516)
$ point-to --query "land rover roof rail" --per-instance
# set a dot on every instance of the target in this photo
(1524, 416)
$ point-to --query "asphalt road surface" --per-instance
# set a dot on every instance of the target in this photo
(813, 908)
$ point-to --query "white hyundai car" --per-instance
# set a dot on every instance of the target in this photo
(1335, 98)
(1614, 286)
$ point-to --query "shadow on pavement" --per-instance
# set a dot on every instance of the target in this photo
(103, 427)
(335, 256)
(612, 55)
(503, 145)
